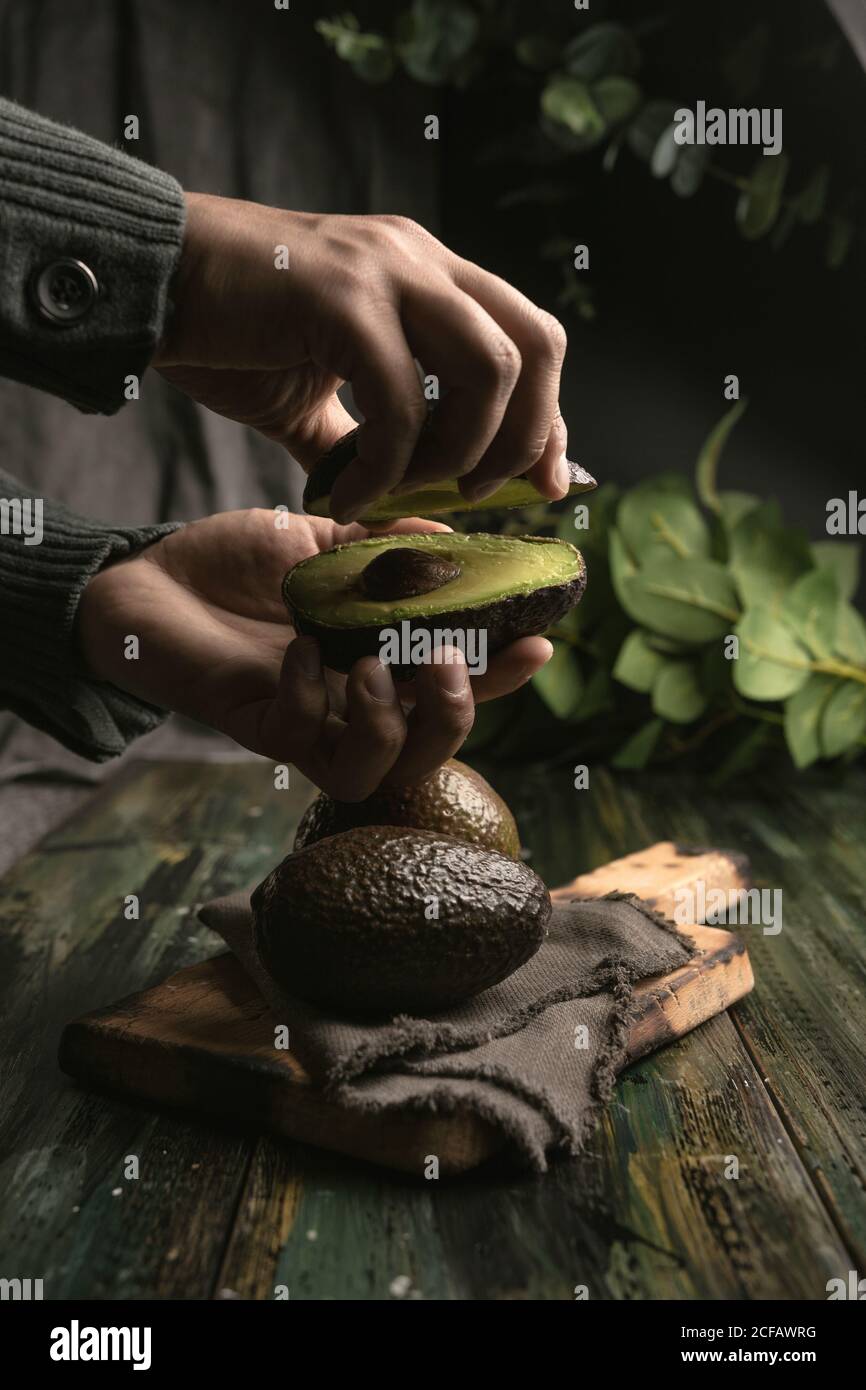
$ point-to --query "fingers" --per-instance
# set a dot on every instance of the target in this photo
(550, 474)
(374, 734)
(511, 668)
(478, 364)
(443, 715)
(388, 393)
(533, 404)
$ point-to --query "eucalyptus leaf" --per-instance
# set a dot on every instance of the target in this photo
(647, 127)
(559, 683)
(677, 694)
(734, 506)
(689, 600)
(665, 154)
(636, 752)
(622, 567)
(765, 558)
(850, 639)
(839, 241)
(759, 203)
(803, 712)
(812, 199)
(662, 520)
(688, 172)
(538, 52)
(602, 50)
(616, 98)
(637, 665)
(843, 721)
(810, 609)
(434, 37)
(842, 558)
(568, 102)
(772, 664)
(707, 465)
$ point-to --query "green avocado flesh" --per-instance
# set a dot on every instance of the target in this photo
(437, 499)
(431, 499)
(328, 588)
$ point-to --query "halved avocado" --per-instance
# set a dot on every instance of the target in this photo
(505, 586)
(431, 499)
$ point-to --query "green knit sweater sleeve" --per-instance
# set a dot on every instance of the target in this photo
(47, 556)
(89, 239)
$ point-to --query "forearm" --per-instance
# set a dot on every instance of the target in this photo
(89, 240)
(47, 557)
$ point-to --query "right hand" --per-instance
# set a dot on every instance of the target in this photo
(362, 297)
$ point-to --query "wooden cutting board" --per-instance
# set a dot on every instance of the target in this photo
(203, 1039)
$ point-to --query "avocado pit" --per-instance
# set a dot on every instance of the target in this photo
(404, 572)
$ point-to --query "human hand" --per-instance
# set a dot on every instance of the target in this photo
(215, 644)
(360, 298)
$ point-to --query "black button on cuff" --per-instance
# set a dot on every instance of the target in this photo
(65, 291)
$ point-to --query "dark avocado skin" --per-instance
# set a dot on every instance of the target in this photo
(328, 468)
(505, 619)
(455, 801)
(342, 925)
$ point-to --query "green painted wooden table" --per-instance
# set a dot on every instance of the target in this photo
(646, 1212)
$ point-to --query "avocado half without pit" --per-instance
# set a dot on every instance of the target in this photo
(505, 587)
(390, 919)
(430, 499)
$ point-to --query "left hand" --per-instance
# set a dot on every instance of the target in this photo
(215, 643)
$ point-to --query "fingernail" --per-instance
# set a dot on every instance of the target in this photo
(562, 476)
(452, 675)
(309, 658)
(380, 685)
(477, 494)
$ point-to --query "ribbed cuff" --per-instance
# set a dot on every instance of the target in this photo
(65, 196)
(42, 678)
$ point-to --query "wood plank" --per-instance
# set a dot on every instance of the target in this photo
(69, 1214)
(204, 1038)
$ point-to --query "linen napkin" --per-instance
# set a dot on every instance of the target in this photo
(535, 1055)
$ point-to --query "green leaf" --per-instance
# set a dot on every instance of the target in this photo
(636, 752)
(803, 711)
(568, 102)
(707, 465)
(666, 153)
(765, 558)
(759, 203)
(842, 558)
(688, 172)
(616, 98)
(810, 609)
(637, 664)
(601, 50)
(677, 694)
(559, 682)
(689, 600)
(736, 505)
(648, 126)
(772, 664)
(843, 722)
(659, 517)
(434, 38)
(597, 697)
(622, 566)
(850, 641)
(538, 52)
(838, 242)
(812, 199)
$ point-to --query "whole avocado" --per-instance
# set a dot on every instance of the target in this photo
(387, 919)
(456, 801)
